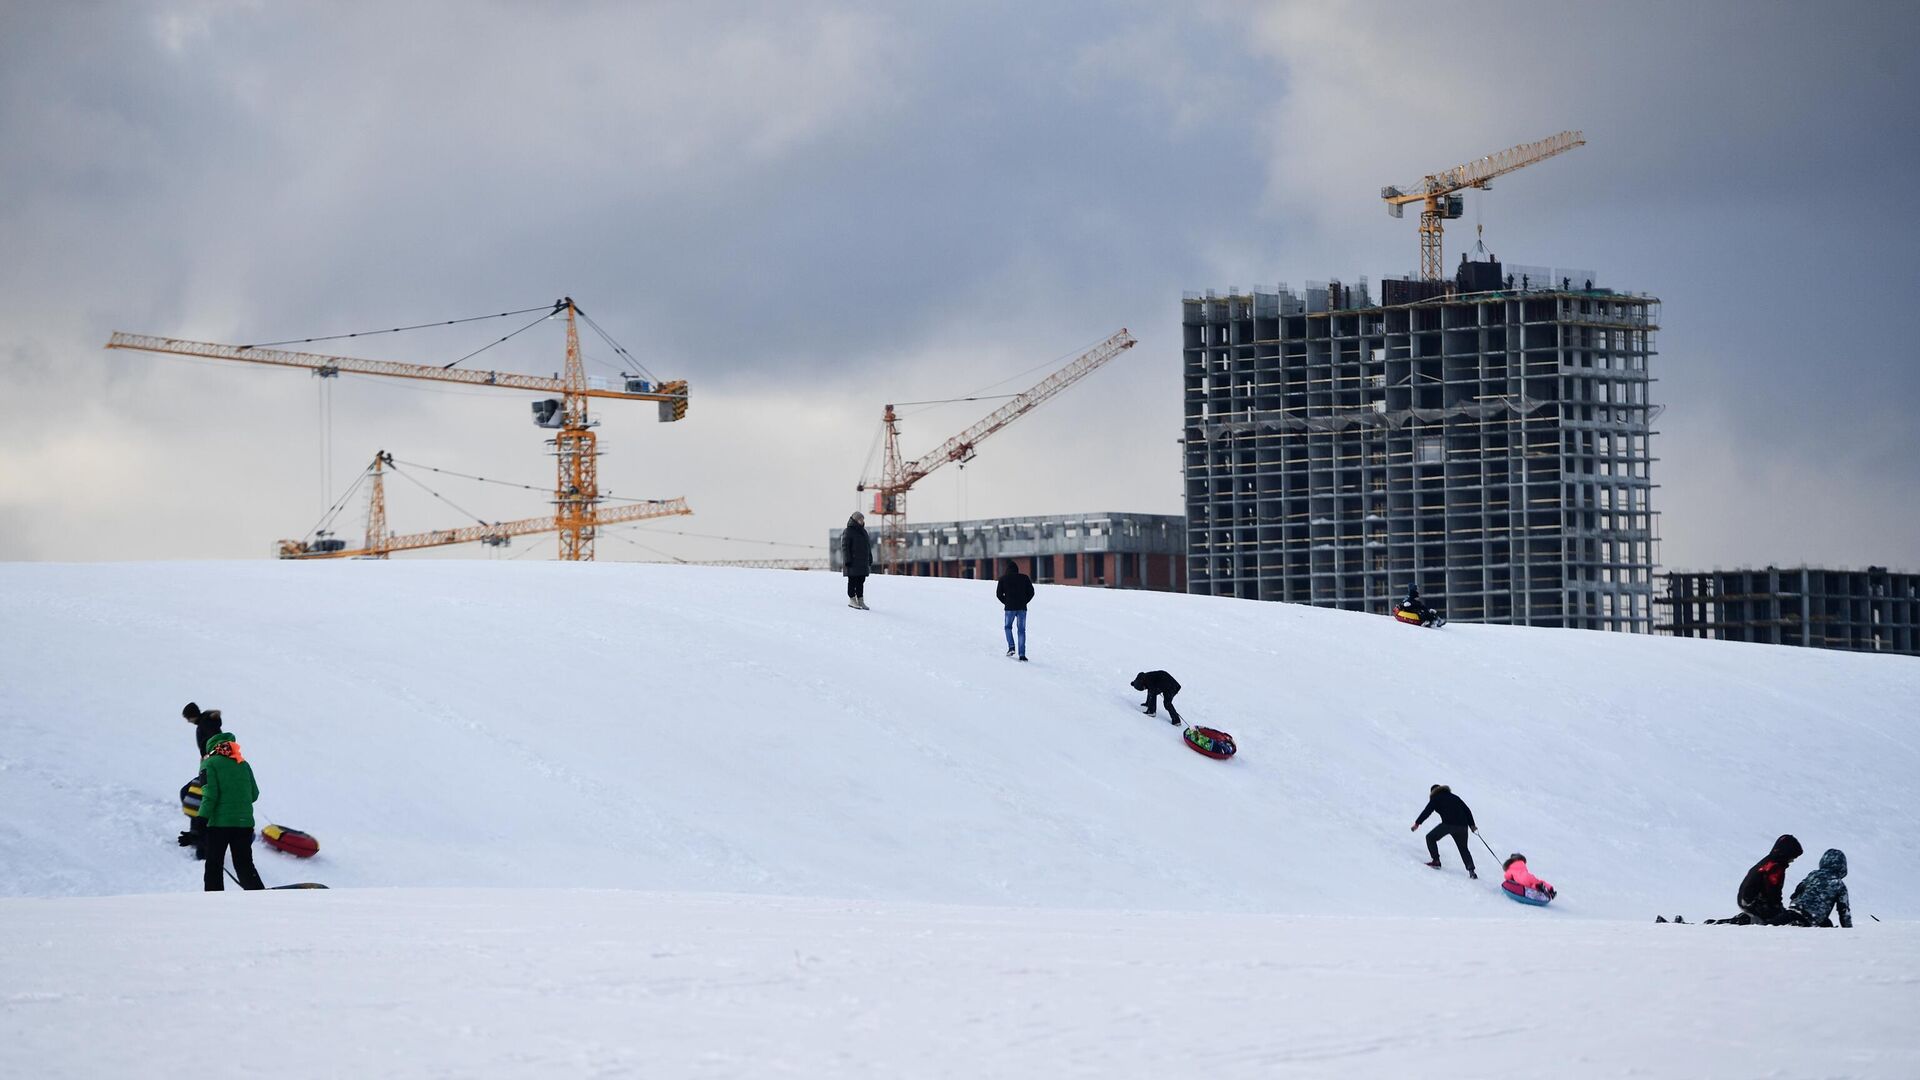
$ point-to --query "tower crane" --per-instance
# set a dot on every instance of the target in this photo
(576, 495)
(897, 476)
(380, 543)
(1440, 201)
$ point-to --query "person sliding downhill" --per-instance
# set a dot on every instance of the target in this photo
(1455, 820)
(1412, 609)
(1522, 881)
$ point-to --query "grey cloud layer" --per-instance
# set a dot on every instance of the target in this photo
(808, 211)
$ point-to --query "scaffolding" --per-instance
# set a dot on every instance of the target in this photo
(1491, 447)
(1871, 610)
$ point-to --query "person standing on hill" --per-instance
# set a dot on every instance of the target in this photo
(226, 805)
(856, 558)
(1456, 819)
(1759, 895)
(206, 724)
(1015, 592)
(1158, 684)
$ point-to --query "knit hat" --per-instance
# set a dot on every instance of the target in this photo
(191, 712)
(856, 518)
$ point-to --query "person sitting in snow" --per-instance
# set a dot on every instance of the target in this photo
(206, 724)
(227, 796)
(1759, 896)
(1521, 881)
(1418, 608)
(1820, 892)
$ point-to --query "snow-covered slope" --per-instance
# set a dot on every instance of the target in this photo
(706, 730)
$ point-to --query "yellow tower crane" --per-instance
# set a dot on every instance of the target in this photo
(1438, 193)
(898, 475)
(380, 543)
(576, 495)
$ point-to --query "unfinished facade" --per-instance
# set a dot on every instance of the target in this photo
(1871, 610)
(1113, 551)
(1485, 438)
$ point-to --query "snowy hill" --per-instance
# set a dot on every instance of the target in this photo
(707, 730)
(627, 820)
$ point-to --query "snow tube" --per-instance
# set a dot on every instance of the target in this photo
(1530, 897)
(1411, 618)
(1206, 740)
(190, 798)
(292, 841)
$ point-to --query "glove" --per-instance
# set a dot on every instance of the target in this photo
(186, 839)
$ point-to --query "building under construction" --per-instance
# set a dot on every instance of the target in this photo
(1485, 437)
(1114, 551)
(1871, 610)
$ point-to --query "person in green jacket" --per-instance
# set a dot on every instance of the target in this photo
(226, 805)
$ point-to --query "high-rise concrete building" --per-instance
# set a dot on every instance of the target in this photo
(1486, 438)
(1871, 610)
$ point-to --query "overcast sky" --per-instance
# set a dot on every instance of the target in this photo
(809, 210)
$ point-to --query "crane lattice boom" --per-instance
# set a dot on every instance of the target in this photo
(1433, 192)
(576, 493)
(898, 476)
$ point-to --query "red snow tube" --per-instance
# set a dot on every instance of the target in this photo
(1209, 741)
(292, 841)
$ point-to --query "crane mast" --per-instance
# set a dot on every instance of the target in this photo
(897, 476)
(1437, 193)
(576, 494)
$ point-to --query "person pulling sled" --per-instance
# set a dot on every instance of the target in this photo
(1456, 820)
(1158, 684)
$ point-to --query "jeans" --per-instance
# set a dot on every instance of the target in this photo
(1019, 617)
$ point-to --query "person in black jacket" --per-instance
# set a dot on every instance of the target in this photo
(1014, 591)
(1158, 684)
(856, 556)
(1759, 895)
(206, 724)
(1456, 818)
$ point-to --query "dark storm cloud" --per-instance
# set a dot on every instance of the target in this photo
(809, 210)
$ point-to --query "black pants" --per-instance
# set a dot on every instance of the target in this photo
(1459, 834)
(1765, 915)
(1172, 713)
(218, 840)
(856, 586)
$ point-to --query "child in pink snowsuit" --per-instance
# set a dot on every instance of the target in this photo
(1521, 881)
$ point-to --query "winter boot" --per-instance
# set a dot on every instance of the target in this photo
(1679, 920)
(1473, 875)
(1659, 918)
(1023, 659)
(1009, 652)
(1435, 864)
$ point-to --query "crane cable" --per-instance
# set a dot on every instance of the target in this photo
(409, 478)
(543, 488)
(618, 349)
(397, 329)
(326, 519)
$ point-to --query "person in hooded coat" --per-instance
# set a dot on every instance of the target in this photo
(856, 559)
(226, 805)
(206, 724)
(1456, 819)
(1822, 891)
(1158, 684)
(1759, 895)
(1014, 590)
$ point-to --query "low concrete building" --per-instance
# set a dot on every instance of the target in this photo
(1871, 610)
(1111, 551)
